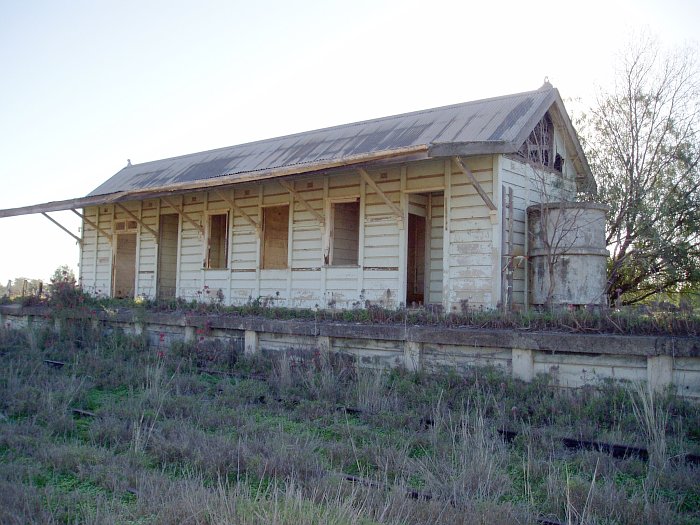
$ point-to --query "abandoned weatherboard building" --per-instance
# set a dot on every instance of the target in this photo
(426, 207)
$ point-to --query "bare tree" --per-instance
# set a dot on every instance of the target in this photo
(556, 229)
(641, 139)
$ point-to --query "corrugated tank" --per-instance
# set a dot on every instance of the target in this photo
(567, 253)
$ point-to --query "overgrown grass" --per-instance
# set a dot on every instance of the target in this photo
(271, 439)
(660, 318)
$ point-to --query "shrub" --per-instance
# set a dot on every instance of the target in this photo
(64, 292)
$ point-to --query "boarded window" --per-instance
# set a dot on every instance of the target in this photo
(217, 241)
(168, 228)
(275, 237)
(124, 270)
(345, 236)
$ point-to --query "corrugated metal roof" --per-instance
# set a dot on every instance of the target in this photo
(494, 125)
(489, 125)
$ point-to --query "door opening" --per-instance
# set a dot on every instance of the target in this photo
(167, 256)
(415, 275)
(124, 268)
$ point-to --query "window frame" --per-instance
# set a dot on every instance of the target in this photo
(263, 208)
(330, 230)
(208, 238)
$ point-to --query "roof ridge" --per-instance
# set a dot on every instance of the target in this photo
(347, 125)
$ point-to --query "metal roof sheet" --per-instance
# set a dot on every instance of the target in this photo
(494, 125)
(488, 125)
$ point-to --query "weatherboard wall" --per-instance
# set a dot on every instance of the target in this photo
(531, 184)
(463, 238)
(96, 252)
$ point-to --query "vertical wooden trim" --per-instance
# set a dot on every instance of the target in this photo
(447, 212)
(497, 236)
(229, 247)
(510, 246)
(428, 241)
(503, 231)
(97, 249)
(156, 269)
(81, 254)
(331, 232)
(325, 242)
(526, 282)
(361, 242)
(290, 247)
(258, 251)
(112, 251)
(205, 240)
(178, 279)
(403, 239)
(137, 276)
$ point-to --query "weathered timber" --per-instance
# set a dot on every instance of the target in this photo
(137, 219)
(487, 200)
(94, 225)
(78, 239)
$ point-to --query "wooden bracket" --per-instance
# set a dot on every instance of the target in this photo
(394, 208)
(130, 214)
(303, 201)
(185, 216)
(239, 210)
(475, 183)
(80, 241)
(88, 221)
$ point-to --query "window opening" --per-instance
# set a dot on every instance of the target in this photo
(275, 237)
(217, 241)
(345, 235)
(125, 226)
(538, 146)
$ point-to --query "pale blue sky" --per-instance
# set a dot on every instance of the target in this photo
(87, 84)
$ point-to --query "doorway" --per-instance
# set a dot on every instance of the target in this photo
(166, 286)
(415, 263)
(424, 248)
(124, 268)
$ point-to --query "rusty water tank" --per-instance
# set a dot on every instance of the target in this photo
(569, 236)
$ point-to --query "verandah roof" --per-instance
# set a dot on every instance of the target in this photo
(494, 125)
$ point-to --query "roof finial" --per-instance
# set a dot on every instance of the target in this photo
(128, 162)
(546, 79)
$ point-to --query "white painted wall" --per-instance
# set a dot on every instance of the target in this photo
(533, 185)
(466, 276)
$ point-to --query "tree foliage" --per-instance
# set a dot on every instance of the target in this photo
(641, 139)
(21, 286)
